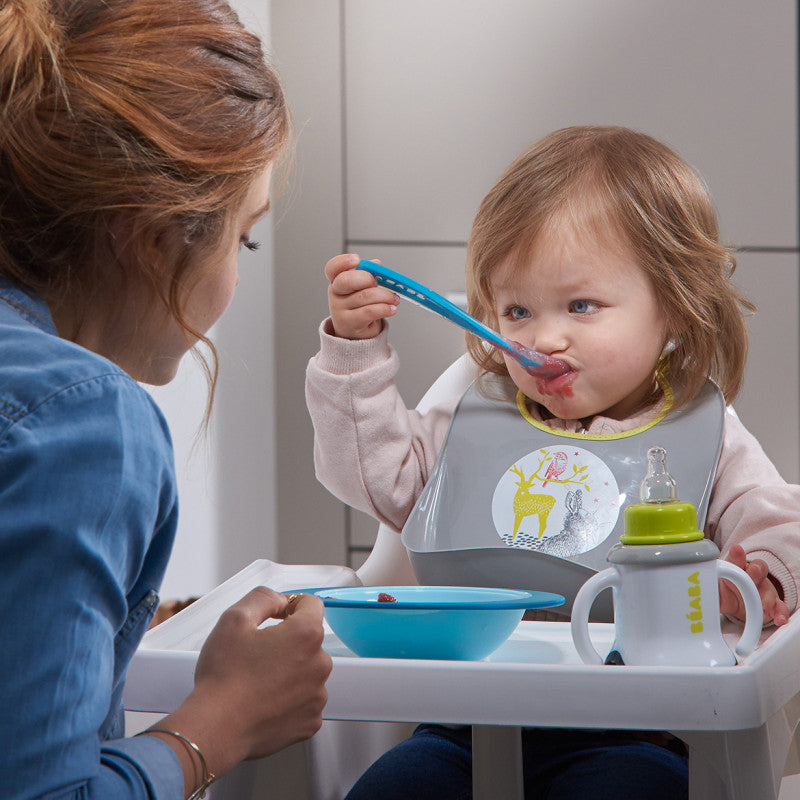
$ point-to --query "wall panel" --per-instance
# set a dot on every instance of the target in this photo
(441, 96)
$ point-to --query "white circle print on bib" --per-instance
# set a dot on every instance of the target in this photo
(558, 500)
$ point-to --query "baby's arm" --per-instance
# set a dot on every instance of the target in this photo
(358, 305)
(754, 517)
(370, 451)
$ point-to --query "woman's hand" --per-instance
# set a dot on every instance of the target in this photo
(257, 690)
(358, 305)
(730, 601)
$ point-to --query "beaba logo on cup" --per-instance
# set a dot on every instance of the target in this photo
(695, 616)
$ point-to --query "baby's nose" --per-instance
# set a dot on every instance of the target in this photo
(550, 337)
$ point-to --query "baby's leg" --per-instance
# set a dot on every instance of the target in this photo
(601, 765)
(434, 764)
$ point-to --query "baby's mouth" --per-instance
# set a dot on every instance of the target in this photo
(546, 367)
(550, 368)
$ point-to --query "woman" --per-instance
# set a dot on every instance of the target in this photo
(136, 146)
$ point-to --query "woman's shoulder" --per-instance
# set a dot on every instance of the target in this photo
(40, 372)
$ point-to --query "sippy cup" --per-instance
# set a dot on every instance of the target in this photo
(664, 577)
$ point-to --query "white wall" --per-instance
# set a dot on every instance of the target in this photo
(193, 568)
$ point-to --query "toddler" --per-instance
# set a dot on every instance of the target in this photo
(599, 247)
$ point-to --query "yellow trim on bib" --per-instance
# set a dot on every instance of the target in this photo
(663, 383)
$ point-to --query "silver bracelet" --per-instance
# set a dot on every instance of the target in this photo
(208, 777)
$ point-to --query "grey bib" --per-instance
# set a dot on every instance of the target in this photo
(511, 503)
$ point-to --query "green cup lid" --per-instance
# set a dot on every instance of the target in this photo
(660, 523)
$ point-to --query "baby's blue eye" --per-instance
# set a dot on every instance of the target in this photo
(582, 306)
(517, 312)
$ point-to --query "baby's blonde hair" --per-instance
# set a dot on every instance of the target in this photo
(624, 186)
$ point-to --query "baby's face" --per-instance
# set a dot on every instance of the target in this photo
(585, 301)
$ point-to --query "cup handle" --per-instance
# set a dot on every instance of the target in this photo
(580, 613)
(754, 613)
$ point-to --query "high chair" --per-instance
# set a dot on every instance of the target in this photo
(744, 762)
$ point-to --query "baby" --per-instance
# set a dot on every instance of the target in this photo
(598, 247)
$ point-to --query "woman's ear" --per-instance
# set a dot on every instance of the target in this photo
(145, 251)
(132, 245)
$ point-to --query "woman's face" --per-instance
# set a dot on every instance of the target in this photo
(141, 336)
(218, 276)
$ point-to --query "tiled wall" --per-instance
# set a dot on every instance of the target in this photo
(408, 111)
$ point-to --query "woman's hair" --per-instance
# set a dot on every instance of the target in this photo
(621, 185)
(158, 112)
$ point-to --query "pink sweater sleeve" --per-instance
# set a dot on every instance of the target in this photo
(370, 451)
(752, 505)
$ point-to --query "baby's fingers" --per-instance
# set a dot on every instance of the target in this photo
(730, 602)
(780, 613)
(339, 264)
(361, 322)
(357, 282)
(757, 570)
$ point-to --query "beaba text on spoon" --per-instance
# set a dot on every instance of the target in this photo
(536, 363)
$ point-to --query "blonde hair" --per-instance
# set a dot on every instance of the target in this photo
(164, 111)
(626, 184)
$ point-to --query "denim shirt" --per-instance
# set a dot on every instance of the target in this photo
(88, 512)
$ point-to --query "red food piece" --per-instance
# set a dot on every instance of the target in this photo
(386, 598)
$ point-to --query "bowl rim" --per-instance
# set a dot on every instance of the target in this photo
(512, 598)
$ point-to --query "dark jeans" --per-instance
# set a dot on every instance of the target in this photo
(436, 764)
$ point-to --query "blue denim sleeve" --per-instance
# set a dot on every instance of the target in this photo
(87, 518)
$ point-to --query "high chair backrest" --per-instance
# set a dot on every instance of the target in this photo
(387, 563)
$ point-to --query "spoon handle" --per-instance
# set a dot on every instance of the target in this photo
(427, 298)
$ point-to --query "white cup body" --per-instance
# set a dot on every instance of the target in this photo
(669, 615)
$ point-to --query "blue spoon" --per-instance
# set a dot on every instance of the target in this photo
(536, 362)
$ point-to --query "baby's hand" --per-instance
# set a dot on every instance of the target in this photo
(730, 602)
(358, 305)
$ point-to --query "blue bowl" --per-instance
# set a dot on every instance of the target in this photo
(431, 622)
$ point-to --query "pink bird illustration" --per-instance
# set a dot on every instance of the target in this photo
(555, 467)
